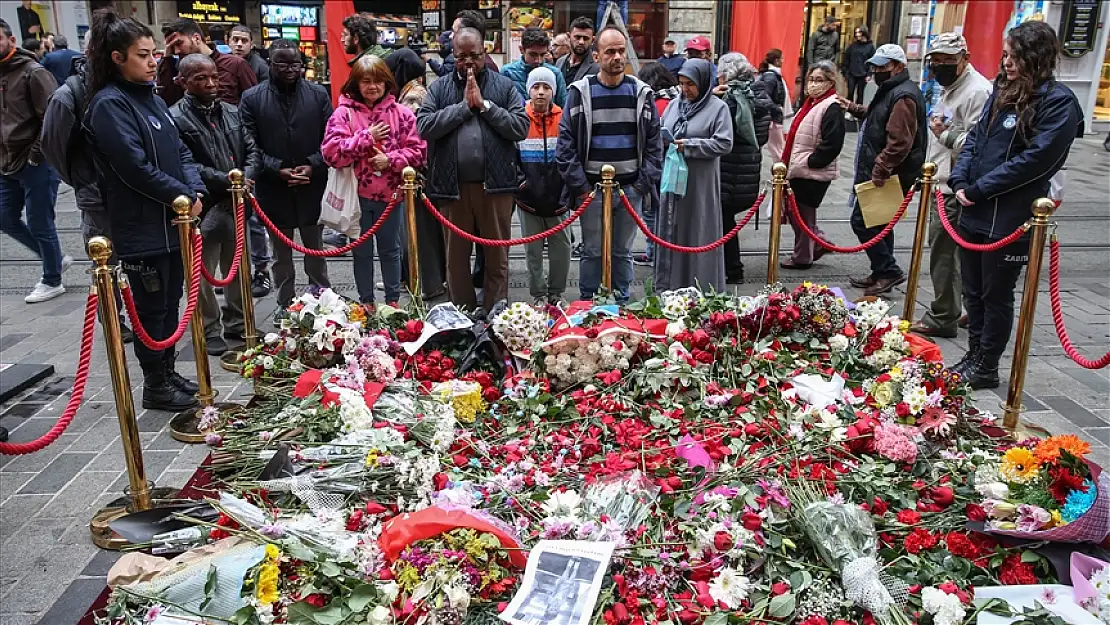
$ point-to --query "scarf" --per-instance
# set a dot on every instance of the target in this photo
(807, 106)
(700, 72)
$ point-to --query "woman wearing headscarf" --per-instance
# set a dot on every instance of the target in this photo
(700, 127)
(811, 153)
(740, 168)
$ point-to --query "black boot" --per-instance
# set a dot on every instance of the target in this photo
(968, 360)
(159, 394)
(174, 378)
(984, 373)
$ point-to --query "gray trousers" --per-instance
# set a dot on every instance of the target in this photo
(218, 232)
(315, 267)
(944, 270)
(558, 254)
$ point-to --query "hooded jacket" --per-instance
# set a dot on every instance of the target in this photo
(445, 109)
(348, 142)
(65, 145)
(740, 168)
(824, 46)
(214, 134)
(25, 88)
(287, 126)
(541, 190)
(143, 167)
(575, 129)
(1003, 171)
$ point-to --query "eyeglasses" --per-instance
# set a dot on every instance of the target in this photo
(281, 67)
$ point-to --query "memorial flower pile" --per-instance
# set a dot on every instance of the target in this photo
(783, 458)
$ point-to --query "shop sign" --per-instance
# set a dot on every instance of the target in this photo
(211, 11)
(1079, 28)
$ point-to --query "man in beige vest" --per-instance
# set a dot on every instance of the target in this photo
(965, 92)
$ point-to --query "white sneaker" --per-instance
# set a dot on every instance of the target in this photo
(67, 262)
(42, 293)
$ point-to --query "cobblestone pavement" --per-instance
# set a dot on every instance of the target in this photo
(50, 571)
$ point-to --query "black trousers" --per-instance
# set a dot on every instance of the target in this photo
(856, 87)
(881, 255)
(989, 280)
(734, 266)
(157, 283)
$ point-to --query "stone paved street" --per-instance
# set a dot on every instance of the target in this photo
(50, 571)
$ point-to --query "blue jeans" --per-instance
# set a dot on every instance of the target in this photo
(35, 187)
(388, 238)
(259, 243)
(650, 213)
(624, 234)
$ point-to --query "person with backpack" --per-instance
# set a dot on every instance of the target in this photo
(67, 150)
(143, 168)
(541, 188)
(1007, 162)
(740, 168)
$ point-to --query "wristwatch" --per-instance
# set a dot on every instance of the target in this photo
(486, 105)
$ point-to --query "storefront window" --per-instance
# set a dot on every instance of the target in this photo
(1102, 99)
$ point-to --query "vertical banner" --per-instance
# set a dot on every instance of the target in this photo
(759, 25)
(334, 13)
(984, 27)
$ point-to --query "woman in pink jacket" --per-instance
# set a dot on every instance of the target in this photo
(373, 133)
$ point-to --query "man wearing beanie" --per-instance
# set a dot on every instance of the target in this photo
(539, 194)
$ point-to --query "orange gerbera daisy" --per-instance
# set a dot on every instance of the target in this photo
(1048, 450)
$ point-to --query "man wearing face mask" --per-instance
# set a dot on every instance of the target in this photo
(964, 93)
(534, 43)
(891, 143)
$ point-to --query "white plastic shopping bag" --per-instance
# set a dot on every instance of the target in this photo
(339, 208)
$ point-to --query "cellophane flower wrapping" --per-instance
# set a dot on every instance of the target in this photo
(626, 499)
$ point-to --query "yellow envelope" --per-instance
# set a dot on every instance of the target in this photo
(878, 204)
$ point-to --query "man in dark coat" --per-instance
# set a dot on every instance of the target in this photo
(183, 37)
(242, 46)
(472, 120)
(286, 117)
(60, 61)
(824, 43)
(891, 143)
(580, 62)
(213, 132)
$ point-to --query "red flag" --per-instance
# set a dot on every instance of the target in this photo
(758, 26)
(335, 12)
(986, 20)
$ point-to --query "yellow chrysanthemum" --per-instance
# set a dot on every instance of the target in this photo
(267, 591)
(1019, 465)
(273, 553)
(904, 326)
(1057, 519)
(1048, 450)
(373, 459)
(465, 397)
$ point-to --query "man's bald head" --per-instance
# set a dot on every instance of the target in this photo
(469, 50)
(201, 78)
(194, 63)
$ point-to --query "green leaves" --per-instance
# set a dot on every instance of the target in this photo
(210, 583)
(783, 605)
(361, 597)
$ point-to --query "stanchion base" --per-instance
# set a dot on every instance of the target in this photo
(230, 361)
(100, 528)
(183, 425)
(1023, 429)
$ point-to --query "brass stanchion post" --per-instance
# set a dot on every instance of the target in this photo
(139, 495)
(1042, 210)
(778, 196)
(928, 170)
(238, 198)
(409, 187)
(608, 184)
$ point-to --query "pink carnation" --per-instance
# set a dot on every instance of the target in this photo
(892, 441)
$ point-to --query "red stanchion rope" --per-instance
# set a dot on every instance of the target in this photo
(674, 247)
(239, 247)
(75, 398)
(338, 251)
(509, 242)
(967, 245)
(796, 216)
(190, 305)
(1058, 312)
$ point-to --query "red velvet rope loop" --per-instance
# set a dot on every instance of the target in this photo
(967, 245)
(338, 251)
(190, 305)
(75, 398)
(674, 247)
(796, 216)
(1058, 312)
(239, 247)
(509, 242)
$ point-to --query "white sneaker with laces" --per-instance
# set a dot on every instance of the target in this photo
(42, 293)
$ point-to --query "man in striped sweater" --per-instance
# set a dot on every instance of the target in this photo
(610, 119)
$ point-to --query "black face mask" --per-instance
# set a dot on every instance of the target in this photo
(945, 74)
(880, 77)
